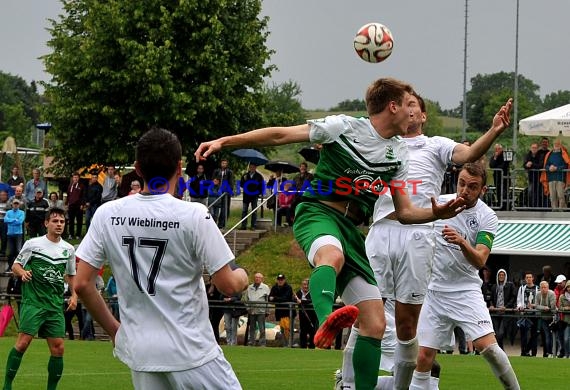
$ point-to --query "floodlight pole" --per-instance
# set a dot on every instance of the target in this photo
(516, 97)
(464, 109)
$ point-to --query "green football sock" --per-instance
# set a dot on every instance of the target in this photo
(12, 365)
(366, 360)
(322, 286)
(55, 369)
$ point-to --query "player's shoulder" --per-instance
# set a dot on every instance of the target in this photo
(485, 211)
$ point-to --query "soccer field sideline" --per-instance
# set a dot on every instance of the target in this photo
(91, 365)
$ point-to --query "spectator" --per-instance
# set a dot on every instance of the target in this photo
(214, 204)
(215, 311)
(561, 327)
(500, 175)
(118, 183)
(487, 285)
(564, 305)
(547, 276)
(69, 314)
(231, 319)
(33, 184)
(227, 184)
(18, 194)
(525, 301)
(199, 186)
(308, 322)
(135, 187)
(35, 215)
(256, 295)
(544, 147)
(54, 201)
(75, 204)
(285, 202)
(533, 163)
(92, 199)
(3, 226)
(110, 185)
(14, 219)
(275, 181)
(252, 184)
(503, 297)
(14, 288)
(15, 180)
(556, 175)
(88, 329)
(113, 297)
(303, 178)
(281, 294)
(545, 302)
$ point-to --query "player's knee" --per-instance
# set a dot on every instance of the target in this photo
(372, 324)
(426, 357)
(57, 349)
(406, 331)
(330, 255)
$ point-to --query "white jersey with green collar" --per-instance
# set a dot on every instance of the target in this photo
(451, 270)
(356, 163)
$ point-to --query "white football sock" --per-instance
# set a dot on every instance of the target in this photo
(385, 382)
(433, 383)
(501, 366)
(347, 367)
(420, 381)
(405, 363)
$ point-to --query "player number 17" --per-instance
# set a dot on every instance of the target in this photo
(160, 247)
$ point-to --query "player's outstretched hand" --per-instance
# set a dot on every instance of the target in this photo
(207, 148)
(27, 276)
(449, 209)
(502, 118)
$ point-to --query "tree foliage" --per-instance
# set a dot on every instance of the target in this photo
(481, 105)
(350, 105)
(556, 99)
(18, 109)
(118, 67)
(281, 104)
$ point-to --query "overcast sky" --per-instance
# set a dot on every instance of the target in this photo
(313, 44)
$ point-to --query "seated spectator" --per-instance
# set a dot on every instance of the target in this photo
(135, 187)
(285, 200)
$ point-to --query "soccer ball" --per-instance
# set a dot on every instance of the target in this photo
(373, 42)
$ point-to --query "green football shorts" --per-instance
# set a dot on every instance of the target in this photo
(314, 220)
(45, 323)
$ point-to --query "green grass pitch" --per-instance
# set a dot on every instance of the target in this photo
(91, 365)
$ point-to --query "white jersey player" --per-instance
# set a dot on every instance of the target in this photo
(157, 247)
(454, 297)
(401, 255)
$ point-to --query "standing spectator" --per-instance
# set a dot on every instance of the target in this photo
(14, 288)
(227, 184)
(256, 295)
(33, 184)
(198, 186)
(533, 163)
(75, 205)
(545, 302)
(303, 178)
(110, 185)
(215, 203)
(525, 301)
(285, 203)
(42, 297)
(231, 320)
(112, 296)
(69, 314)
(215, 312)
(281, 294)
(564, 305)
(18, 194)
(252, 184)
(544, 147)
(500, 173)
(556, 175)
(88, 330)
(3, 227)
(503, 297)
(487, 284)
(14, 219)
(35, 215)
(547, 276)
(307, 317)
(15, 180)
(558, 291)
(135, 187)
(118, 183)
(92, 199)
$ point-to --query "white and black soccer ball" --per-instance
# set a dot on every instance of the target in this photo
(373, 42)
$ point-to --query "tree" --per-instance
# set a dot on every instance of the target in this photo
(556, 99)
(281, 105)
(480, 105)
(434, 124)
(350, 105)
(195, 67)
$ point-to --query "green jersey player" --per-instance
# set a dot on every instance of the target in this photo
(360, 159)
(42, 264)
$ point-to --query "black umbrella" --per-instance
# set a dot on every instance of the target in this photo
(283, 166)
(311, 154)
(251, 155)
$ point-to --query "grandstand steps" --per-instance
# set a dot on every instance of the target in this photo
(240, 240)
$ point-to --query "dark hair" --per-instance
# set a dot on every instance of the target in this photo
(54, 210)
(75, 174)
(52, 193)
(420, 101)
(528, 273)
(383, 91)
(158, 153)
(476, 169)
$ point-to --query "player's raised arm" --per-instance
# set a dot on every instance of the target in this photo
(463, 154)
(268, 136)
(407, 213)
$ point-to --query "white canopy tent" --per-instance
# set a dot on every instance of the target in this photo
(550, 123)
